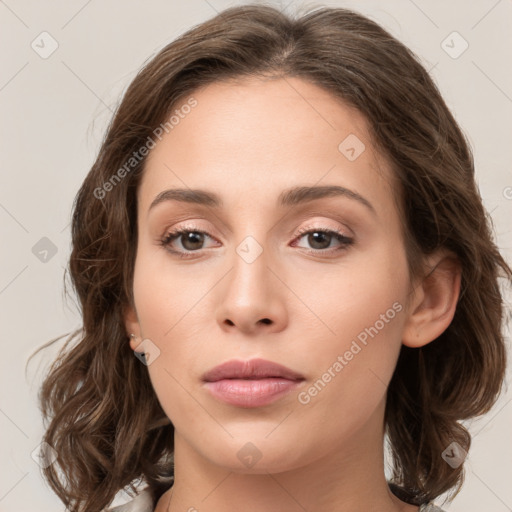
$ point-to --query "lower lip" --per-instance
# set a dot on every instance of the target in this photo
(251, 393)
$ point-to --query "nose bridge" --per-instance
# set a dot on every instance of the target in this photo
(251, 296)
(250, 268)
(251, 253)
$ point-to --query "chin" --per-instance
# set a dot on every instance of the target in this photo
(260, 456)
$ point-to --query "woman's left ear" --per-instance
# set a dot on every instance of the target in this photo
(434, 301)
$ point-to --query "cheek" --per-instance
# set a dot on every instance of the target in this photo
(164, 293)
(363, 312)
(167, 301)
(363, 293)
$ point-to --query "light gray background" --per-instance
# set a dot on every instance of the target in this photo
(54, 112)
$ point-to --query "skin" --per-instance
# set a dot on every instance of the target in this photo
(248, 141)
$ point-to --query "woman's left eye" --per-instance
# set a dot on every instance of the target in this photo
(192, 239)
(317, 238)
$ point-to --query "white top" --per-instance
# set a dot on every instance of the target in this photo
(143, 503)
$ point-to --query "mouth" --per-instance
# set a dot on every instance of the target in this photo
(252, 383)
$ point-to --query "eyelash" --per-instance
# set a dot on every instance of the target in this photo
(338, 235)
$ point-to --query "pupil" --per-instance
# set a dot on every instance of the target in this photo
(316, 235)
(193, 238)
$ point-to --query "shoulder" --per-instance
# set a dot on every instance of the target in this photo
(141, 503)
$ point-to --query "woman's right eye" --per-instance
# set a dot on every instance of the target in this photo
(191, 240)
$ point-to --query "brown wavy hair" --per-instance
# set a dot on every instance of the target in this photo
(100, 411)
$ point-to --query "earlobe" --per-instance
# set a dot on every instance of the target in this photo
(435, 301)
(131, 324)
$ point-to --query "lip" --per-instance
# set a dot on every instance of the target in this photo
(251, 369)
(252, 383)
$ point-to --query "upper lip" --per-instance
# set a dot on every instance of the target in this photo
(251, 369)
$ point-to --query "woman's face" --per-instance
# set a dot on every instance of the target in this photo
(332, 304)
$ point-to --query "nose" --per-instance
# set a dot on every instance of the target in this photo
(253, 297)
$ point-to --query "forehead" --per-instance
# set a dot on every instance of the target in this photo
(262, 136)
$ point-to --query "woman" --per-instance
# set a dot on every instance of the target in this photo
(283, 226)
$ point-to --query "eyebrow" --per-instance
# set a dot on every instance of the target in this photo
(289, 197)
